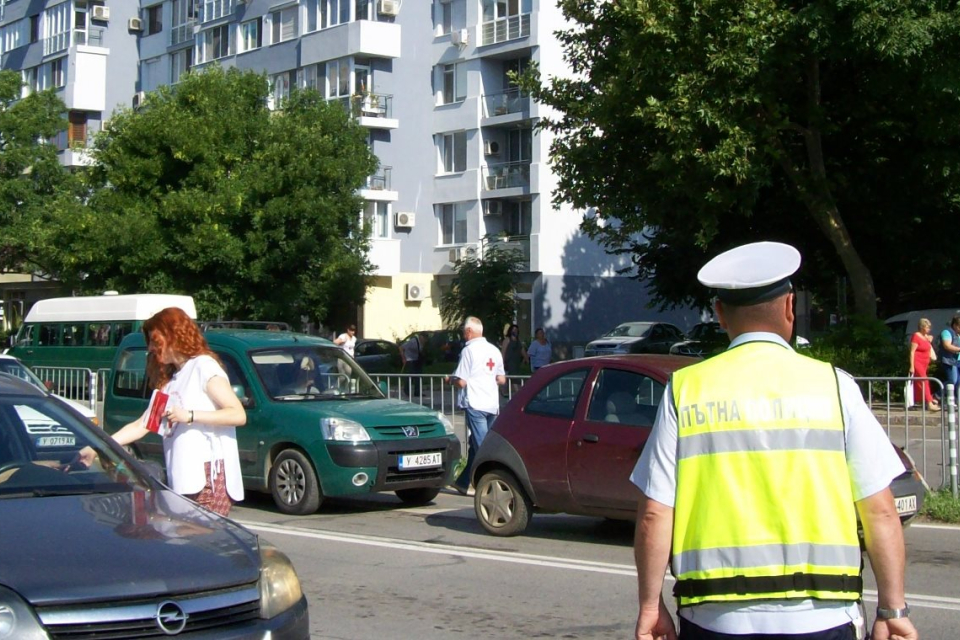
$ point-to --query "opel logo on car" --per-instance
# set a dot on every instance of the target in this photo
(171, 618)
(411, 432)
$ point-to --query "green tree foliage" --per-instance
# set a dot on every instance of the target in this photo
(483, 287)
(34, 186)
(690, 126)
(205, 191)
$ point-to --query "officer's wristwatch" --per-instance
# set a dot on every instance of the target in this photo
(893, 614)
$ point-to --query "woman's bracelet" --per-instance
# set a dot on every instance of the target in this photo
(190, 421)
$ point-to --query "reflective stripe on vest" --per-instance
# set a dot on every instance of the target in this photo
(764, 507)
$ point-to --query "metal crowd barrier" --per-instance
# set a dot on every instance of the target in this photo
(75, 383)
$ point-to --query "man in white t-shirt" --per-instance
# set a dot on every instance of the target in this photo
(347, 340)
(478, 374)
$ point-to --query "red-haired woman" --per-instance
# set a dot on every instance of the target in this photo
(200, 442)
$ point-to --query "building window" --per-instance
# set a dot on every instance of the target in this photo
(154, 19)
(184, 17)
(496, 9)
(375, 217)
(214, 9)
(56, 29)
(213, 44)
(251, 35)
(453, 223)
(312, 8)
(444, 16)
(284, 24)
(520, 145)
(14, 35)
(180, 63)
(453, 151)
(30, 81)
(280, 89)
(310, 77)
(454, 83)
(77, 129)
(334, 12)
(150, 74)
(58, 74)
(338, 78)
(519, 217)
(35, 28)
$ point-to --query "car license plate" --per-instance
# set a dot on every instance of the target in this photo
(421, 460)
(906, 504)
(56, 441)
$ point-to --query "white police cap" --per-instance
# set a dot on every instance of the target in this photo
(751, 273)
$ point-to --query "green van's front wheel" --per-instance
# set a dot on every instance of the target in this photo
(293, 484)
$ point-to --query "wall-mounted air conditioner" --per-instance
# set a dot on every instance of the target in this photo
(389, 7)
(100, 12)
(405, 219)
(135, 24)
(460, 37)
(415, 292)
(138, 98)
(493, 207)
(491, 148)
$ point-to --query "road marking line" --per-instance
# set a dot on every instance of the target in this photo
(869, 595)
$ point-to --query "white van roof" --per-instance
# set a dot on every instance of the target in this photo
(138, 306)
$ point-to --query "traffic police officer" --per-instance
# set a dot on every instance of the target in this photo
(751, 477)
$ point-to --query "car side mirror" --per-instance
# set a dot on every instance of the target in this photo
(245, 402)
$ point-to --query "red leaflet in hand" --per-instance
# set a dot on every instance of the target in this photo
(154, 419)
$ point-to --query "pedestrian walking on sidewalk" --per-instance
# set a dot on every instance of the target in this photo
(751, 484)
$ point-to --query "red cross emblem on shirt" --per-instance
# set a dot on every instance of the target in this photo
(490, 364)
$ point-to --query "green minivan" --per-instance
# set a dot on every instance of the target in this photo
(317, 425)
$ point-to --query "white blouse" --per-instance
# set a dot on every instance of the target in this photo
(189, 446)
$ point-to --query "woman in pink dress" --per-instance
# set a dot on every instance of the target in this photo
(921, 346)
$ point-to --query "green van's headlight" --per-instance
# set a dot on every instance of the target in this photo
(343, 430)
(279, 584)
(447, 425)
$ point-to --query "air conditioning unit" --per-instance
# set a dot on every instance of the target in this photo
(405, 219)
(415, 292)
(460, 37)
(491, 148)
(389, 7)
(100, 12)
(138, 98)
(493, 207)
(135, 24)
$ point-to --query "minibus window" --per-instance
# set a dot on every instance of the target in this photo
(49, 335)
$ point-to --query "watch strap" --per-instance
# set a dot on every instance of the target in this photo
(893, 614)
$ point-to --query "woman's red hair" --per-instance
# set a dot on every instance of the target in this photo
(181, 334)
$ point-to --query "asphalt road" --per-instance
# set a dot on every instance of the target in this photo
(376, 569)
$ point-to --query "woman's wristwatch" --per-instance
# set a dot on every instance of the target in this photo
(893, 614)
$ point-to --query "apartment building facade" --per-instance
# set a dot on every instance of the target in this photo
(463, 165)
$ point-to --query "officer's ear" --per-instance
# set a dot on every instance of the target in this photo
(789, 314)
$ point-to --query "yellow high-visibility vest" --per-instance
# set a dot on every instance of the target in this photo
(764, 507)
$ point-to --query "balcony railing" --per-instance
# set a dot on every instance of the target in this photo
(182, 32)
(503, 29)
(504, 102)
(380, 181)
(56, 43)
(372, 105)
(91, 36)
(507, 175)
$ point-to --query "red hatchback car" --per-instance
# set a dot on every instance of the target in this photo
(569, 439)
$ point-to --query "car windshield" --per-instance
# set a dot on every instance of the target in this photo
(312, 372)
(39, 442)
(706, 331)
(630, 329)
(17, 368)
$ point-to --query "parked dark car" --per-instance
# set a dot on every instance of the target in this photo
(378, 356)
(570, 438)
(110, 552)
(635, 337)
(439, 345)
(705, 339)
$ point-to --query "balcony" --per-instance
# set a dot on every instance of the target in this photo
(364, 38)
(517, 244)
(507, 175)
(379, 186)
(505, 29)
(506, 103)
(56, 44)
(89, 37)
(374, 110)
(215, 9)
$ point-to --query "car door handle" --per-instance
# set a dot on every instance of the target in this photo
(591, 438)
